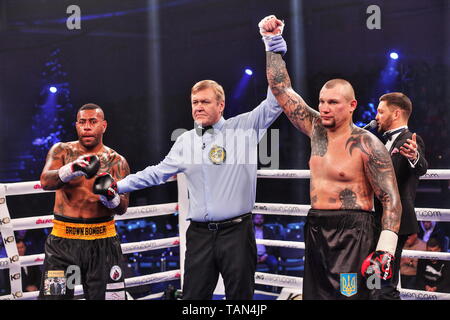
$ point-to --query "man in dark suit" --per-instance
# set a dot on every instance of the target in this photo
(407, 152)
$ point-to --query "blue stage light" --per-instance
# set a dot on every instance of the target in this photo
(53, 89)
(393, 55)
(248, 71)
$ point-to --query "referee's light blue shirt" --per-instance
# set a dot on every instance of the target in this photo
(220, 167)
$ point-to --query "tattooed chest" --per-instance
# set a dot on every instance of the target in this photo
(108, 160)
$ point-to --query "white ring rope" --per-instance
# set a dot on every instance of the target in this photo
(129, 282)
(31, 187)
(432, 174)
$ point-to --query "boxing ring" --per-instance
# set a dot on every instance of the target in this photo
(14, 262)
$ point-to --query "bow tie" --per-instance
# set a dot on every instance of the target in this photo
(201, 131)
(387, 136)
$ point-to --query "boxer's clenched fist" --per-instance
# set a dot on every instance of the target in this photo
(270, 26)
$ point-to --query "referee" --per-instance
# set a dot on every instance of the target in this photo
(219, 159)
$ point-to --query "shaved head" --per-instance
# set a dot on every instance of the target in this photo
(345, 87)
(92, 106)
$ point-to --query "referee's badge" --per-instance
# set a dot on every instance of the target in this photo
(349, 285)
(217, 154)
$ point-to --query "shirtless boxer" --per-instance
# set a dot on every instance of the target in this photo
(348, 166)
(84, 233)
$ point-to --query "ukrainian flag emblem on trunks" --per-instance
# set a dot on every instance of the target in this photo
(349, 285)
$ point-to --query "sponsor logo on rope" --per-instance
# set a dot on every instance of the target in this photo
(43, 221)
(429, 213)
(5, 221)
(15, 276)
(14, 258)
(9, 239)
(430, 175)
(150, 245)
(37, 186)
(419, 296)
(274, 278)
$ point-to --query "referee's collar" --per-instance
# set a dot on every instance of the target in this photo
(219, 124)
(216, 126)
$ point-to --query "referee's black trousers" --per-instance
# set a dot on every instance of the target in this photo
(230, 251)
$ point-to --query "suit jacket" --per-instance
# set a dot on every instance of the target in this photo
(407, 181)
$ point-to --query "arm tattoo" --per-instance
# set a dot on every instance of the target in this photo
(298, 112)
(380, 173)
(50, 178)
(319, 141)
(122, 169)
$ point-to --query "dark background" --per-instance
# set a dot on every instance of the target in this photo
(139, 59)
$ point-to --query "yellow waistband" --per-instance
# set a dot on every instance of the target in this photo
(83, 231)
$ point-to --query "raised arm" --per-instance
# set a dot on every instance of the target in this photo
(298, 112)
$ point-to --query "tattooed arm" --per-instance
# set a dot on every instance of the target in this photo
(299, 113)
(381, 176)
(120, 171)
(49, 177)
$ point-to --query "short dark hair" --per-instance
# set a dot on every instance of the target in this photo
(91, 106)
(399, 100)
(434, 242)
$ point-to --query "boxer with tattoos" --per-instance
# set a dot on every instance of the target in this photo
(84, 236)
(348, 165)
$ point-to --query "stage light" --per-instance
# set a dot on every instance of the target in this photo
(393, 55)
(53, 89)
(248, 71)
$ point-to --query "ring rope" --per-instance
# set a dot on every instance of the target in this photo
(21, 188)
(432, 174)
(428, 214)
(129, 282)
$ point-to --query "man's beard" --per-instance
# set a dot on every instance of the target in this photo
(383, 128)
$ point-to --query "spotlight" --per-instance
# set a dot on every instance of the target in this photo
(393, 55)
(248, 71)
(53, 89)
